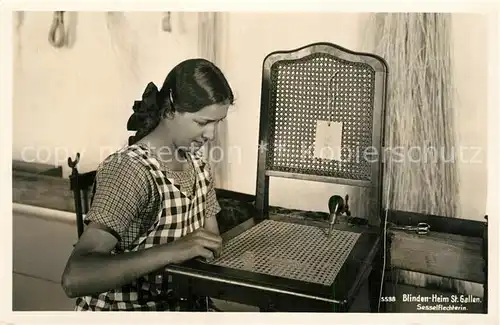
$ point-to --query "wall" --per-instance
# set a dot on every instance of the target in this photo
(471, 80)
(69, 100)
(72, 99)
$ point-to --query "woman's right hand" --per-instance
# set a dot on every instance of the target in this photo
(199, 243)
(92, 252)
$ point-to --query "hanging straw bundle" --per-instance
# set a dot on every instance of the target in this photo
(208, 24)
(207, 32)
(422, 173)
(421, 137)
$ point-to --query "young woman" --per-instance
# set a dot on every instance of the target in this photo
(154, 201)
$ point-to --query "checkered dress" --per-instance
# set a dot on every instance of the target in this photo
(180, 214)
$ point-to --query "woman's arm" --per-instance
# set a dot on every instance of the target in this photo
(92, 269)
(212, 225)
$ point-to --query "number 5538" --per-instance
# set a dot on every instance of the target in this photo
(388, 299)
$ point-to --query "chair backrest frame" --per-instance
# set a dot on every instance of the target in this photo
(378, 68)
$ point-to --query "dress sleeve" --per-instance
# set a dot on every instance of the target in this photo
(122, 192)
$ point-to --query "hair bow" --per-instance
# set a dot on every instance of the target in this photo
(146, 109)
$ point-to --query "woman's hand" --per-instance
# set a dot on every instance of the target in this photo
(91, 267)
(199, 243)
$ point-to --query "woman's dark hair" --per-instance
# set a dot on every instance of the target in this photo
(189, 86)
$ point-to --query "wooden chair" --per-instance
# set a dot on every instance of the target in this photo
(323, 82)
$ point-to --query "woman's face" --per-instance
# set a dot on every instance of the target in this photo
(190, 131)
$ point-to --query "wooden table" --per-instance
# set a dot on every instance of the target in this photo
(271, 293)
